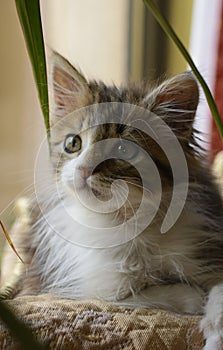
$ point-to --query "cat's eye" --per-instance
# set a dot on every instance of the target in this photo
(72, 143)
(126, 151)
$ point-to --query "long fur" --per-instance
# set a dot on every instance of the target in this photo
(174, 271)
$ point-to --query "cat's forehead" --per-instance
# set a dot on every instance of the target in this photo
(97, 122)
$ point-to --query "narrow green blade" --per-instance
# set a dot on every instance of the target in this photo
(30, 19)
(172, 35)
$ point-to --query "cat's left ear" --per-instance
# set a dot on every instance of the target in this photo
(175, 101)
(69, 89)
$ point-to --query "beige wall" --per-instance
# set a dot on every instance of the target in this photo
(21, 123)
(93, 35)
(180, 19)
(137, 36)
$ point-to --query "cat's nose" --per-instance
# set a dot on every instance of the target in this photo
(85, 172)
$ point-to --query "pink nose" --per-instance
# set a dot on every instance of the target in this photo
(85, 172)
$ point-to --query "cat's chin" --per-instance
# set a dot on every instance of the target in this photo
(83, 199)
(84, 192)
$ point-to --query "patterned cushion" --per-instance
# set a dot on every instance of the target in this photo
(91, 325)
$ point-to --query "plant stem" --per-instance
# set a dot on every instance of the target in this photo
(30, 19)
(172, 35)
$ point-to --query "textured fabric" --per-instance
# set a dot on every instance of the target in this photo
(67, 324)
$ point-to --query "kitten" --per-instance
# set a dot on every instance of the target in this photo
(74, 253)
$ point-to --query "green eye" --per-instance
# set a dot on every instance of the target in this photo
(126, 151)
(72, 143)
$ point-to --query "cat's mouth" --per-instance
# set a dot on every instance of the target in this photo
(96, 192)
(99, 194)
(88, 189)
(99, 190)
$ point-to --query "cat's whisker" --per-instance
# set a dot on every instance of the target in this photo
(125, 205)
(140, 187)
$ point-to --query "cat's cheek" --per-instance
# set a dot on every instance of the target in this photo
(71, 178)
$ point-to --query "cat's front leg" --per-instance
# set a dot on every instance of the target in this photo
(179, 297)
(212, 323)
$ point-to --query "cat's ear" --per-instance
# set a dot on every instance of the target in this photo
(69, 89)
(176, 100)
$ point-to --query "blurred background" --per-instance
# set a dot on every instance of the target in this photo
(115, 41)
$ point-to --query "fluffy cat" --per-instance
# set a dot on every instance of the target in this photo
(181, 270)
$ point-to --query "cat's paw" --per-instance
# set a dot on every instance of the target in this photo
(212, 323)
(212, 334)
(214, 342)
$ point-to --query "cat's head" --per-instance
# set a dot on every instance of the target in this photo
(74, 133)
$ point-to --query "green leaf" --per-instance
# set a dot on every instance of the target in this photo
(172, 35)
(30, 19)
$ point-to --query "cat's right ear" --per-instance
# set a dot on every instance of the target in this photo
(175, 101)
(69, 89)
